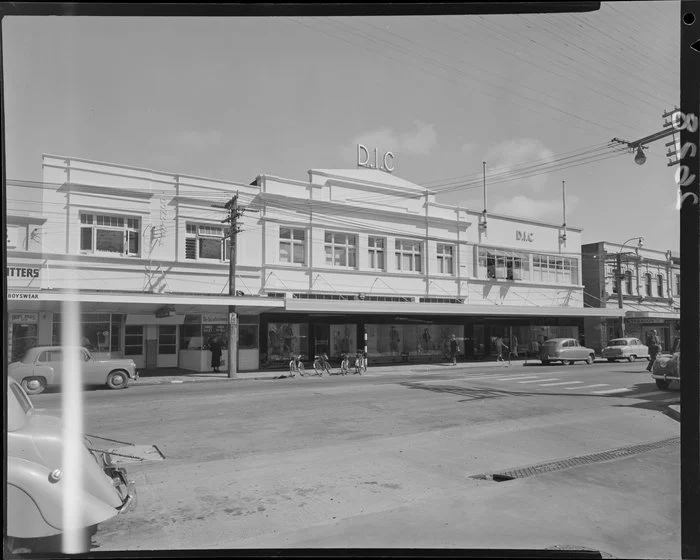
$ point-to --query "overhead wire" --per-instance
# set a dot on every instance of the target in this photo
(516, 94)
(579, 79)
(511, 99)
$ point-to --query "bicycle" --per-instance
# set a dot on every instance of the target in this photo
(360, 363)
(296, 366)
(344, 365)
(321, 364)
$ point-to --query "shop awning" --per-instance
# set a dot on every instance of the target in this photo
(148, 303)
(378, 307)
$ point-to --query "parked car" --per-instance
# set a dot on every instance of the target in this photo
(625, 349)
(666, 368)
(35, 479)
(565, 350)
(42, 367)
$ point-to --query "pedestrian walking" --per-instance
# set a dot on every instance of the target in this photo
(515, 347)
(500, 345)
(215, 348)
(454, 349)
(654, 345)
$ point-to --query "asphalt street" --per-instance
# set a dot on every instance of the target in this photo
(400, 460)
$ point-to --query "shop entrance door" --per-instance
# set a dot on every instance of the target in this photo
(23, 338)
(167, 346)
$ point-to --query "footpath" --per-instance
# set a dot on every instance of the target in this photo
(161, 376)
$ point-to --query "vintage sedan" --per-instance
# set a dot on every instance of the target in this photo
(42, 367)
(666, 368)
(36, 478)
(565, 350)
(625, 349)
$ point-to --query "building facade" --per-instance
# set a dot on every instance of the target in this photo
(648, 290)
(350, 259)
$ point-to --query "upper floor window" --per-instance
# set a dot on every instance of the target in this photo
(375, 249)
(12, 237)
(555, 269)
(408, 255)
(507, 265)
(292, 245)
(628, 281)
(445, 258)
(341, 249)
(678, 284)
(647, 284)
(104, 233)
(207, 242)
(660, 285)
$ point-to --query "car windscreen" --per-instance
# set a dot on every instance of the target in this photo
(550, 343)
(618, 343)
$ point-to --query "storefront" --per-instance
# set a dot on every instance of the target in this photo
(413, 336)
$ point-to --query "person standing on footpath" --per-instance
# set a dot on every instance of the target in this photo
(500, 345)
(454, 349)
(215, 348)
(654, 348)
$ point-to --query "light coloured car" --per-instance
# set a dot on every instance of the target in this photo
(565, 350)
(35, 480)
(666, 368)
(42, 367)
(628, 348)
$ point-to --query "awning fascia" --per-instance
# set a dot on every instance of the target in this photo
(378, 307)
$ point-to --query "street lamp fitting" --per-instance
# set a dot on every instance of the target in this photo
(639, 157)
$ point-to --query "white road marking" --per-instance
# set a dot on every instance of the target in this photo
(590, 386)
(561, 383)
(518, 377)
(609, 391)
(539, 380)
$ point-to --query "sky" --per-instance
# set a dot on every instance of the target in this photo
(537, 97)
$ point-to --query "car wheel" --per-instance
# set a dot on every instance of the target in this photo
(611, 360)
(567, 362)
(117, 380)
(632, 358)
(590, 359)
(662, 384)
(33, 385)
(545, 362)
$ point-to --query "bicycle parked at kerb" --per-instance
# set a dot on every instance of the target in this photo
(360, 362)
(344, 364)
(296, 365)
(321, 364)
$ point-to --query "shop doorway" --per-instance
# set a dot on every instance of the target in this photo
(167, 346)
(23, 338)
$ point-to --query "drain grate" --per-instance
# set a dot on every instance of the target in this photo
(552, 466)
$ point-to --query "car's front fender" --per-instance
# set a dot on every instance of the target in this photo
(35, 498)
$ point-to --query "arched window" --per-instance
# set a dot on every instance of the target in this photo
(647, 283)
(628, 281)
(660, 285)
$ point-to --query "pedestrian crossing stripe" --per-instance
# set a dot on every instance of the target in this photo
(518, 377)
(561, 383)
(540, 380)
(609, 391)
(589, 386)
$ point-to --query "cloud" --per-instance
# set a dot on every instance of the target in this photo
(420, 141)
(467, 148)
(518, 153)
(522, 206)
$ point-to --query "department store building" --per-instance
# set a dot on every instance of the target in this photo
(349, 259)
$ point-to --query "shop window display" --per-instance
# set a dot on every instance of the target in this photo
(401, 342)
(286, 339)
(343, 339)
